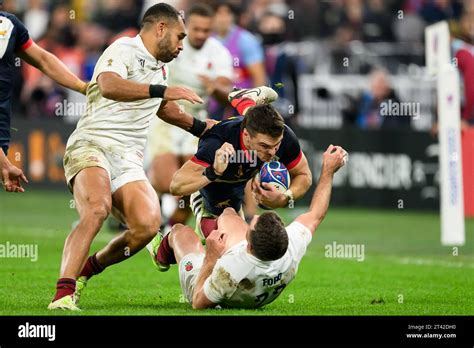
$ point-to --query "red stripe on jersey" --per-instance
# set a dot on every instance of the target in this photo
(295, 162)
(198, 161)
(27, 44)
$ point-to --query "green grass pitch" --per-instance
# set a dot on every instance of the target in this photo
(405, 271)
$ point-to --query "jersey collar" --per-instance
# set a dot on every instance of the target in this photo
(255, 260)
(147, 53)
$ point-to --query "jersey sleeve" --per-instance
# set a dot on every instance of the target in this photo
(206, 151)
(251, 49)
(291, 149)
(22, 39)
(299, 237)
(114, 59)
(219, 286)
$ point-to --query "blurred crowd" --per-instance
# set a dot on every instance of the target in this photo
(77, 31)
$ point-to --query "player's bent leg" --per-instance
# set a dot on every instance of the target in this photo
(184, 241)
(162, 249)
(189, 254)
(232, 224)
(140, 207)
(92, 195)
(205, 221)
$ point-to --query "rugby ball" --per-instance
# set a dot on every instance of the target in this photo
(276, 174)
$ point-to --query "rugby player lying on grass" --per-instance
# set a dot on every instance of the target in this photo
(247, 266)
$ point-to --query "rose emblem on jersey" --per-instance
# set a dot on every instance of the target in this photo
(188, 266)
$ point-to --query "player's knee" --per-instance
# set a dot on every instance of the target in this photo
(180, 231)
(229, 211)
(97, 212)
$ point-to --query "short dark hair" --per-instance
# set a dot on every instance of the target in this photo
(264, 119)
(202, 10)
(269, 239)
(160, 12)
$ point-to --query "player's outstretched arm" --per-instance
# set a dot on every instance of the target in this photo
(113, 86)
(172, 113)
(333, 159)
(52, 67)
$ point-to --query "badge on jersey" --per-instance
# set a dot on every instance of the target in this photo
(163, 70)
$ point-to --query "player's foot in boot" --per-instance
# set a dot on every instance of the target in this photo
(260, 95)
(65, 303)
(152, 248)
(81, 284)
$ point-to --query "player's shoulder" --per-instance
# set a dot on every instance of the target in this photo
(11, 17)
(297, 227)
(298, 234)
(234, 263)
(226, 129)
(125, 42)
(124, 48)
(289, 134)
(8, 15)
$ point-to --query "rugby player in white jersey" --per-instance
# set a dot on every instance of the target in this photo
(248, 266)
(104, 156)
(205, 65)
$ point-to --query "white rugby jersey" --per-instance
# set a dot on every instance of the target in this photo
(212, 60)
(240, 280)
(121, 126)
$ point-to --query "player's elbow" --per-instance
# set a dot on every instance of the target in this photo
(308, 179)
(200, 301)
(198, 305)
(107, 87)
(106, 91)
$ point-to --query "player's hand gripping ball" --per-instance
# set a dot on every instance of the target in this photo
(276, 174)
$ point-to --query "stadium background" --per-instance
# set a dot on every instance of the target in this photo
(386, 199)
